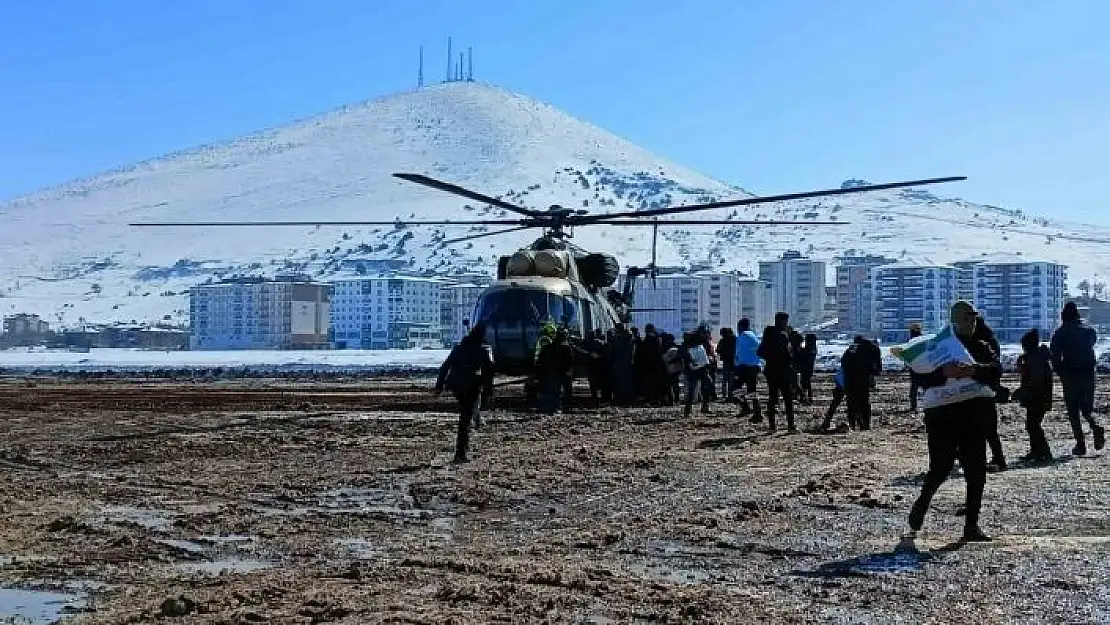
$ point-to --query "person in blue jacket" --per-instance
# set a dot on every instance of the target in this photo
(746, 363)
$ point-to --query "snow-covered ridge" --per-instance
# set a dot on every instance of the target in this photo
(67, 253)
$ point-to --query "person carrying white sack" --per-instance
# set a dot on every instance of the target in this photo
(957, 373)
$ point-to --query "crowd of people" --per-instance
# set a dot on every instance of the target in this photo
(624, 368)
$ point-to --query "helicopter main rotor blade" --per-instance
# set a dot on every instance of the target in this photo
(715, 222)
(591, 219)
(208, 224)
(486, 234)
(467, 193)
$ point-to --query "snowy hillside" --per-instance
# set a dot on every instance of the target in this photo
(67, 253)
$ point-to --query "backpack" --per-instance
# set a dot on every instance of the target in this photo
(698, 357)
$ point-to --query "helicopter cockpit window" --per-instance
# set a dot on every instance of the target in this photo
(528, 307)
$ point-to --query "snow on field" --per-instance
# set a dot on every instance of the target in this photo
(322, 361)
(139, 360)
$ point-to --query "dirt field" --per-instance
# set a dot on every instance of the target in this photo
(287, 502)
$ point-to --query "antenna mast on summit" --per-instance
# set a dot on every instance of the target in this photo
(447, 76)
(469, 64)
(420, 72)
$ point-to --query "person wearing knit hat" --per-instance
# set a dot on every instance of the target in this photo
(1073, 359)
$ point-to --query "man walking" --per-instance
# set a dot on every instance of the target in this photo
(726, 355)
(775, 351)
(958, 430)
(1073, 358)
(468, 372)
(747, 364)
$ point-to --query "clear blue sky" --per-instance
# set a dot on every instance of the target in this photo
(775, 95)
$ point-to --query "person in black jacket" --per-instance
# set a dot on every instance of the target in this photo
(807, 360)
(860, 363)
(468, 372)
(957, 430)
(1002, 395)
(1073, 358)
(726, 356)
(1035, 393)
(778, 361)
(649, 366)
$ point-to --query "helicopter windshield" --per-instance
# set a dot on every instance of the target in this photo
(527, 307)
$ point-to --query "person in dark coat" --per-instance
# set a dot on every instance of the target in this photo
(915, 378)
(1073, 358)
(555, 363)
(807, 360)
(468, 373)
(695, 364)
(649, 366)
(957, 430)
(1002, 395)
(861, 362)
(774, 349)
(624, 349)
(596, 350)
(672, 366)
(726, 356)
(1035, 393)
(796, 343)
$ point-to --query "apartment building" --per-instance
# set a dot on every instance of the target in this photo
(907, 292)
(254, 313)
(799, 286)
(386, 312)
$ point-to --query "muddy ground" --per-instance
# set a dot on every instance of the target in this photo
(286, 502)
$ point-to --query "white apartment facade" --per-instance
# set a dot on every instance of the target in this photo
(386, 312)
(1015, 294)
(854, 301)
(907, 293)
(259, 314)
(799, 286)
(757, 303)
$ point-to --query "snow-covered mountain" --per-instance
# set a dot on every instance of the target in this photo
(68, 254)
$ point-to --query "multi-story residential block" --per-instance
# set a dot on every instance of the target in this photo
(253, 313)
(394, 312)
(907, 292)
(799, 285)
(1016, 294)
(854, 302)
(757, 303)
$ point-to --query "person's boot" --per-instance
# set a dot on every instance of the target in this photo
(996, 465)
(1080, 448)
(686, 410)
(972, 534)
(1099, 434)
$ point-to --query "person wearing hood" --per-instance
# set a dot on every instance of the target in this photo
(468, 373)
(774, 349)
(957, 430)
(1035, 393)
(1073, 358)
(747, 363)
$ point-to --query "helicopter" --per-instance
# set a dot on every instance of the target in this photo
(553, 281)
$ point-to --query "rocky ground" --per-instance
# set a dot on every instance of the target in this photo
(286, 502)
